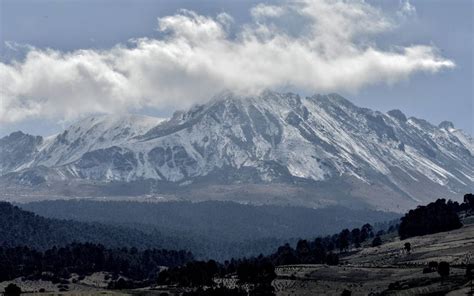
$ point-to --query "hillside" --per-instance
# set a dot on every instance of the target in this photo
(218, 230)
(273, 148)
(388, 269)
(346, 261)
(22, 228)
(212, 220)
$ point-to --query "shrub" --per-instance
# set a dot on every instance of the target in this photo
(407, 247)
(12, 290)
(377, 241)
(433, 264)
(470, 271)
(346, 293)
(427, 270)
(443, 269)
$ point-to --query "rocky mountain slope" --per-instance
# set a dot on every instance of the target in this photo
(271, 148)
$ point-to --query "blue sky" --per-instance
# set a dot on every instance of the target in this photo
(437, 93)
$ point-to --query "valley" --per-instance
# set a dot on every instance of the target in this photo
(387, 269)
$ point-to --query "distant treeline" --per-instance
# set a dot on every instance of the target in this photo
(228, 220)
(213, 229)
(142, 267)
(22, 228)
(259, 272)
(84, 259)
(435, 217)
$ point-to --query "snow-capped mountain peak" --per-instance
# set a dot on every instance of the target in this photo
(266, 139)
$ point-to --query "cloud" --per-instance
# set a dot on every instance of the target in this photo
(262, 11)
(406, 9)
(318, 46)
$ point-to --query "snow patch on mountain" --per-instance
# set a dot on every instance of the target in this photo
(273, 137)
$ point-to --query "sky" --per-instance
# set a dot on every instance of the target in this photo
(63, 60)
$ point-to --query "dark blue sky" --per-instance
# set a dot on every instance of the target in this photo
(70, 25)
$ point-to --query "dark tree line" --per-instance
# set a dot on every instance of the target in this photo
(435, 217)
(258, 272)
(22, 228)
(227, 221)
(322, 250)
(192, 274)
(85, 259)
(146, 265)
(218, 291)
(212, 230)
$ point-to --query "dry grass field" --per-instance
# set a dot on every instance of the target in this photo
(371, 270)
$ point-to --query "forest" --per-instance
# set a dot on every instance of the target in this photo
(435, 217)
(131, 267)
(85, 258)
(212, 229)
(19, 227)
(143, 267)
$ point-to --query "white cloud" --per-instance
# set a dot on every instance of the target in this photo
(406, 9)
(263, 11)
(319, 46)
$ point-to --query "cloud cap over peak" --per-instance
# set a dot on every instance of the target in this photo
(318, 46)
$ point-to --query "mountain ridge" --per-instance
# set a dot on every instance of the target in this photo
(270, 138)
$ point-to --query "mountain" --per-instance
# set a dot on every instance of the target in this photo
(271, 148)
(20, 150)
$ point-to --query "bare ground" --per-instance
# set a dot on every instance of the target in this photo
(371, 270)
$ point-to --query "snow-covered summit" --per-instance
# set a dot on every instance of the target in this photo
(271, 138)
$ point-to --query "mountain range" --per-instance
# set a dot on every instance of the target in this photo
(273, 148)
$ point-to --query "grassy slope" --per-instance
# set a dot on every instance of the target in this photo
(373, 269)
